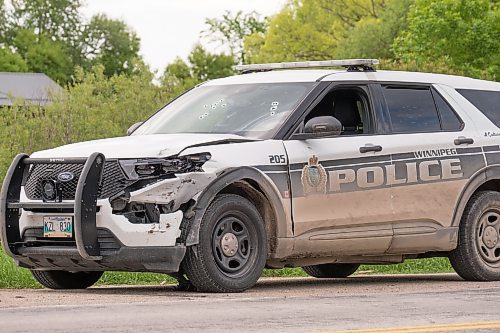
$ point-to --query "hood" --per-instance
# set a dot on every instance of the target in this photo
(139, 146)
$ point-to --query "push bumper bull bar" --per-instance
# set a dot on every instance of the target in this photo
(84, 206)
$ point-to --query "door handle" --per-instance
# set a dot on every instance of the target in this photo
(369, 147)
(463, 141)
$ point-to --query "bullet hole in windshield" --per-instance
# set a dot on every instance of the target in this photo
(274, 108)
(213, 106)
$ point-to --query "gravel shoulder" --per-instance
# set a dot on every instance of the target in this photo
(266, 288)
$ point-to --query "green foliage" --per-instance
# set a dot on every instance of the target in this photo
(372, 37)
(94, 107)
(110, 43)
(208, 66)
(11, 62)
(297, 32)
(46, 56)
(448, 36)
(310, 29)
(231, 30)
(52, 37)
(3, 21)
(180, 76)
(463, 34)
(58, 19)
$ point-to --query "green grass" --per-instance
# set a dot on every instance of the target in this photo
(417, 266)
(13, 277)
(117, 278)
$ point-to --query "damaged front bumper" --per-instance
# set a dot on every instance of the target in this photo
(102, 239)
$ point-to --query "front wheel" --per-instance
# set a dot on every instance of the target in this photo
(232, 248)
(66, 280)
(327, 271)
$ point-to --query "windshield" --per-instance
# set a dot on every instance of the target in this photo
(251, 110)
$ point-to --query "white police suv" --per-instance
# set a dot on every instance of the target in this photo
(322, 169)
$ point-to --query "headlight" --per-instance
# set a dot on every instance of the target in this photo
(151, 168)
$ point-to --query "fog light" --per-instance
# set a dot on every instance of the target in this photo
(49, 190)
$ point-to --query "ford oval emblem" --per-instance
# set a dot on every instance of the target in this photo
(65, 177)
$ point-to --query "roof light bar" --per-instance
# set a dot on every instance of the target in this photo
(348, 63)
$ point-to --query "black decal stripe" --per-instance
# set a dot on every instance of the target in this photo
(346, 161)
(359, 160)
(470, 164)
(491, 148)
(298, 166)
(403, 156)
(267, 168)
(349, 166)
(280, 180)
(472, 159)
(492, 158)
(471, 150)
(362, 162)
(385, 158)
(437, 158)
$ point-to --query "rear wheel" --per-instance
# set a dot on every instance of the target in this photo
(327, 271)
(66, 280)
(232, 248)
(477, 256)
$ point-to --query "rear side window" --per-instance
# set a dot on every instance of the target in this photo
(449, 119)
(411, 109)
(488, 102)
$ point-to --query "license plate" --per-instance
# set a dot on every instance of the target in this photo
(58, 226)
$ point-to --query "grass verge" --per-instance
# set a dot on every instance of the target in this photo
(13, 277)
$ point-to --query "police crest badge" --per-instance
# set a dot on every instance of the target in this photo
(314, 177)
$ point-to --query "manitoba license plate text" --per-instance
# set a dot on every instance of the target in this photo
(58, 226)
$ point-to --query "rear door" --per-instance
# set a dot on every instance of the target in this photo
(433, 154)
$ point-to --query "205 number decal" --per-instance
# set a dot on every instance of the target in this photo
(277, 159)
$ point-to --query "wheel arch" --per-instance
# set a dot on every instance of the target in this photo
(485, 179)
(251, 184)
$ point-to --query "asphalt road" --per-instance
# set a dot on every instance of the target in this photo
(396, 304)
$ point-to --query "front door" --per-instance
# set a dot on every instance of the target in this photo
(340, 186)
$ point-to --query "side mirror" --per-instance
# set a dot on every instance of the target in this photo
(320, 127)
(132, 128)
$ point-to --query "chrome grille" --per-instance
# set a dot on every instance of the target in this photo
(113, 179)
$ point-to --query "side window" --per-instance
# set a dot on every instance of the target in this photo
(412, 109)
(488, 102)
(449, 119)
(349, 106)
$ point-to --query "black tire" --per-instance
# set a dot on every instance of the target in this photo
(328, 271)
(66, 280)
(232, 248)
(477, 256)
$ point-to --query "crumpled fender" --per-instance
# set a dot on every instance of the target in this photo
(175, 191)
(226, 178)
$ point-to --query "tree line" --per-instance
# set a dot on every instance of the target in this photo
(52, 37)
(108, 86)
(448, 36)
